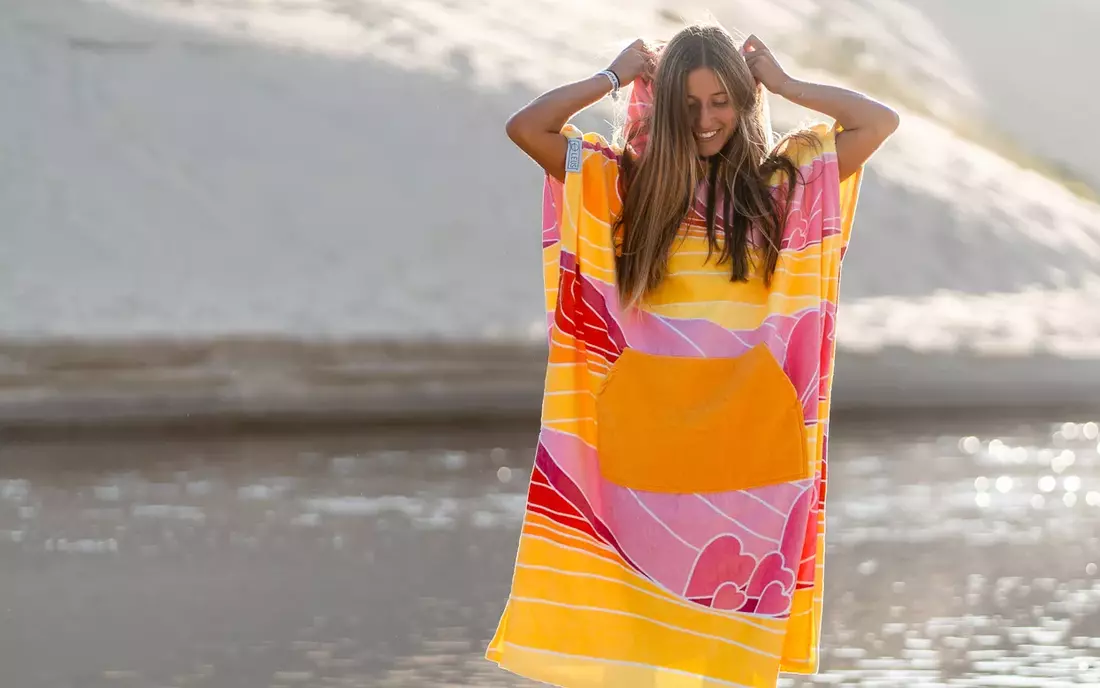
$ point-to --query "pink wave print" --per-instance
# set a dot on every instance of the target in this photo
(551, 202)
(654, 545)
(651, 333)
(720, 563)
(799, 541)
(600, 319)
(814, 209)
(543, 498)
(803, 360)
(771, 569)
(551, 234)
(698, 521)
(800, 234)
(807, 567)
(605, 151)
(666, 336)
(828, 347)
(639, 535)
(764, 508)
(579, 498)
(665, 537)
(723, 576)
(773, 602)
(728, 596)
(575, 316)
(749, 552)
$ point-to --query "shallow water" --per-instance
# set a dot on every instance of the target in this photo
(963, 556)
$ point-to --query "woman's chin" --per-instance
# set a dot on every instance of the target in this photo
(710, 148)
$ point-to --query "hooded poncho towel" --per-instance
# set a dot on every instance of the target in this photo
(673, 533)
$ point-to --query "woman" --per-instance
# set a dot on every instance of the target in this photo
(674, 522)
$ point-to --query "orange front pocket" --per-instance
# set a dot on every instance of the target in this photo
(688, 425)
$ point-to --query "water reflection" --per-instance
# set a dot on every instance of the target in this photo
(962, 559)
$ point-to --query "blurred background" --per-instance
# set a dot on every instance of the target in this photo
(271, 334)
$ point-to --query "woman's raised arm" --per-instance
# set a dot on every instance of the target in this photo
(536, 129)
(866, 123)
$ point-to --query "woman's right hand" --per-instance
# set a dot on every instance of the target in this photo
(637, 60)
(536, 129)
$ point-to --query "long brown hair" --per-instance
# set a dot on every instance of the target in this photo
(660, 184)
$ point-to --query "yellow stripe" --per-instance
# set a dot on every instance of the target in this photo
(624, 575)
(580, 671)
(621, 616)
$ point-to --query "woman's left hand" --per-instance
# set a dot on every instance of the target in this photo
(763, 65)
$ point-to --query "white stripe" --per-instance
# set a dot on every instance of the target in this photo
(589, 346)
(595, 245)
(815, 209)
(543, 509)
(775, 295)
(811, 389)
(570, 345)
(601, 221)
(570, 342)
(566, 316)
(616, 612)
(690, 253)
(684, 336)
(663, 524)
(676, 304)
(585, 538)
(672, 598)
(749, 494)
(620, 662)
(563, 433)
(570, 391)
(558, 492)
(573, 479)
(725, 275)
(607, 328)
(811, 273)
(734, 520)
(570, 420)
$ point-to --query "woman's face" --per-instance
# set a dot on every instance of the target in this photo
(713, 116)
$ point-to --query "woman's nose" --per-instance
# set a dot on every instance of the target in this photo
(706, 117)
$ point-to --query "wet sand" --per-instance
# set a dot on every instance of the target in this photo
(963, 556)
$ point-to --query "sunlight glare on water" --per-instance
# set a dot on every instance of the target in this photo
(961, 559)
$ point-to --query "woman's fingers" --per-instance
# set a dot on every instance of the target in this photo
(754, 45)
(758, 59)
